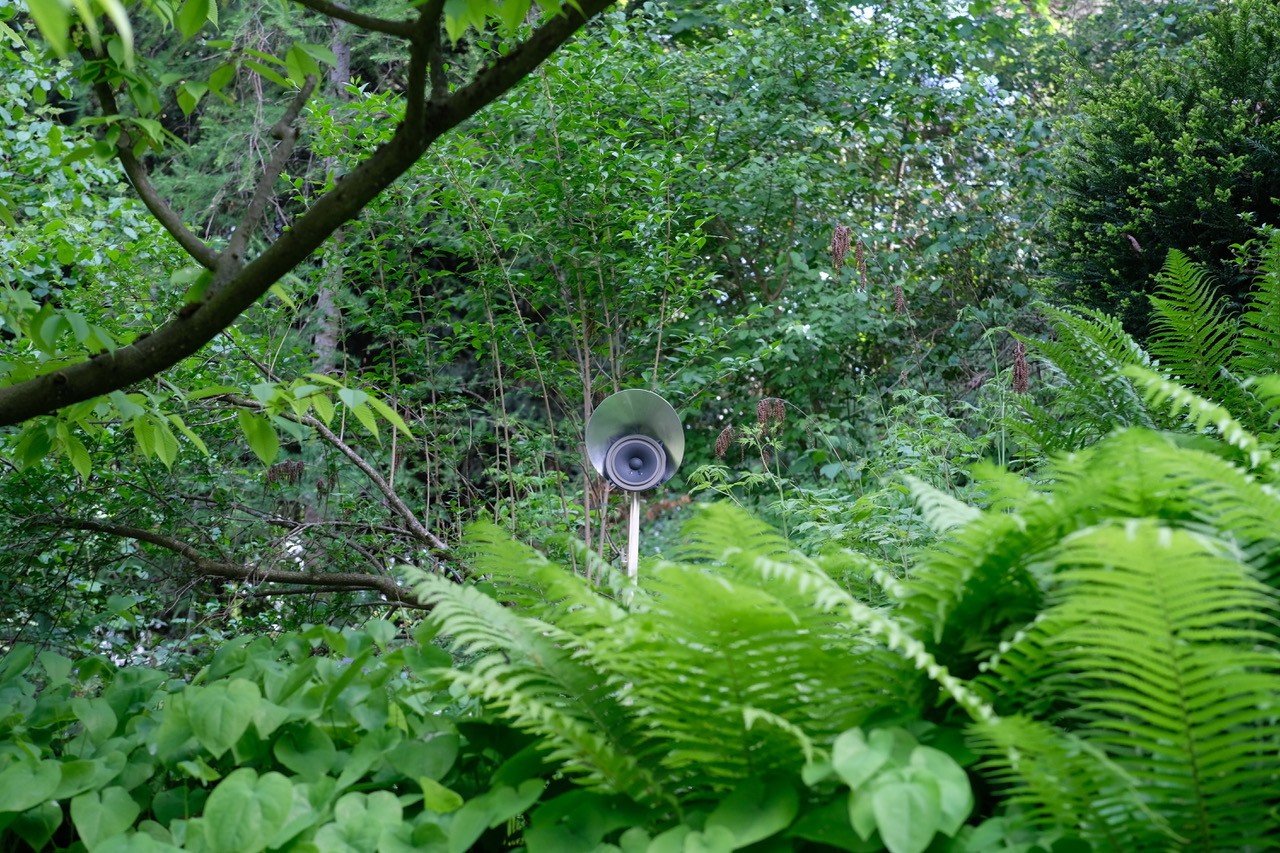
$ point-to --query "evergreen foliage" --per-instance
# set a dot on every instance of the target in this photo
(1181, 153)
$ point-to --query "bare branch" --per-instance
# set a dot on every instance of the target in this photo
(141, 181)
(232, 258)
(329, 581)
(399, 29)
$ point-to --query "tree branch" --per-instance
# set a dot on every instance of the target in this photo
(397, 504)
(328, 581)
(198, 323)
(399, 29)
(232, 257)
(141, 181)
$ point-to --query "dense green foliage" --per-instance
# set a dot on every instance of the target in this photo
(1181, 152)
(946, 568)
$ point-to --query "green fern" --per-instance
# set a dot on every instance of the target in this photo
(1158, 659)
(744, 659)
(1119, 615)
(1083, 363)
(1259, 340)
(1201, 413)
(1193, 335)
(525, 669)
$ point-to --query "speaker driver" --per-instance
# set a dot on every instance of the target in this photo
(635, 463)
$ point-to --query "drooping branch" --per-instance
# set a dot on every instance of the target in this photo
(322, 581)
(198, 323)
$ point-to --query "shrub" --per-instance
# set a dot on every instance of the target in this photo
(1184, 152)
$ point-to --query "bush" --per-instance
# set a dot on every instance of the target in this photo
(1182, 153)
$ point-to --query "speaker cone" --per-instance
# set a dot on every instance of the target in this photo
(635, 463)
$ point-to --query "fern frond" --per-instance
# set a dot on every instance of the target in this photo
(1085, 358)
(1194, 336)
(529, 581)
(941, 511)
(1059, 780)
(526, 669)
(1203, 414)
(704, 648)
(1266, 390)
(1153, 635)
(719, 531)
(1259, 339)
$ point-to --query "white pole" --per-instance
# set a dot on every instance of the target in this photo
(633, 540)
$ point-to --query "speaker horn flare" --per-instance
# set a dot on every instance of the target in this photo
(635, 440)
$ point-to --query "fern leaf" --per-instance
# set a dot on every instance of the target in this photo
(941, 511)
(1259, 340)
(1084, 360)
(526, 669)
(1153, 637)
(1202, 413)
(1194, 337)
(1059, 780)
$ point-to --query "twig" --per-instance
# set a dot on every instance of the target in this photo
(397, 504)
(231, 260)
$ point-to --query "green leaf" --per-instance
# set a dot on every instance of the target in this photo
(432, 757)
(270, 74)
(189, 95)
(390, 415)
(53, 20)
(178, 422)
(855, 760)
(955, 795)
(36, 826)
(437, 797)
(96, 716)
(306, 750)
(191, 17)
(221, 712)
(245, 811)
(99, 817)
(323, 406)
(300, 65)
(365, 416)
(908, 815)
(125, 405)
(261, 436)
(83, 774)
(318, 52)
(33, 445)
(23, 786)
(756, 810)
(56, 667)
(166, 443)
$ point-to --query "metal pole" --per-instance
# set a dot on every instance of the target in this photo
(633, 540)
